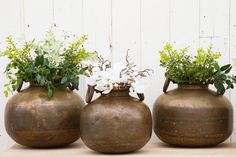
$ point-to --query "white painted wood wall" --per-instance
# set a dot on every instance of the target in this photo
(113, 26)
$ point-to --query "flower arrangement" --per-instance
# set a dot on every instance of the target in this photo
(202, 68)
(49, 63)
(104, 77)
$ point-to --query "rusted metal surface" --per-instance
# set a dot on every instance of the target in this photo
(116, 123)
(32, 119)
(192, 116)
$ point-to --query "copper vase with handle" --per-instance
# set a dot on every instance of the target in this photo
(192, 115)
(115, 122)
(32, 119)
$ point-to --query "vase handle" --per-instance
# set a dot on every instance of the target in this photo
(89, 94)
(19, 86)
(166, 85)
(140, 96)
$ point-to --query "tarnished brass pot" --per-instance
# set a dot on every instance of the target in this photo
(32, 119)
(116, 123)
(192, 116)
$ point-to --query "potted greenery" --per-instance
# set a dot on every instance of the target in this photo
(46, 114)
(193, 115)
(115, 122)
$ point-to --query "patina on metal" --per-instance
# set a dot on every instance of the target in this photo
(115, 123)
(32, 119)
(192, 116)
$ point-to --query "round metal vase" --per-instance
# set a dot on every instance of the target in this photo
(192, 116)
(32, 119)
(116, 122)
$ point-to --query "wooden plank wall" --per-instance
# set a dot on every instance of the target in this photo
(113, 26)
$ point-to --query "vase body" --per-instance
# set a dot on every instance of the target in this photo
(192, 116)
(32, 119)
(116, 123)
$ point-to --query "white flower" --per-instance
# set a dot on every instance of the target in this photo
(91, 80)
(106, 74)
(109, 88)
(55, 59)
(104, 85)
(96, 70)
(139, 85)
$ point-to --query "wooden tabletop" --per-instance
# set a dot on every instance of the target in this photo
(150, 150)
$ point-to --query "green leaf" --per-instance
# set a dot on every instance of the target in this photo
(45, 62)
(64, 80)
(223, 77)
(38, 78)
(5, 93)
(75, 83)
(13, 87)
(83, 70)
(19, 84)
(38, 52)
(86, 74)
(225, 67)
(42, 81)
(216, 66)
(39, 60)
(229, 84)
(220, 88)
(228, 70)
(50, 92)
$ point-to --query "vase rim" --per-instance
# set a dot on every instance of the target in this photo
(192, 86)
(120, 88)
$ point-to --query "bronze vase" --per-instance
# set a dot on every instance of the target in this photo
(32, 119)
(192, 116)
(116, 122)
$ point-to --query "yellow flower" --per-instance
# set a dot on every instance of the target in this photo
(217, 55)
(164, 57)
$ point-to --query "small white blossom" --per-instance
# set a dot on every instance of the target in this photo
(109, 88)
(33, 54)
(104, 85)
(54, 59)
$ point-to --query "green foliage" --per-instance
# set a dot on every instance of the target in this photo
(49, 63)
(202, 68)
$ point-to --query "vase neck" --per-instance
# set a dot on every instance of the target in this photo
(118, 92)
(38, 85)
(32, 84)
(192, 86)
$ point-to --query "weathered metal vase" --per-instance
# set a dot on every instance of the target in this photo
(32, 119)
(116, 122)
(192, 116)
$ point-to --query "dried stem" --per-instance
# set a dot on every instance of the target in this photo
(142, 73)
